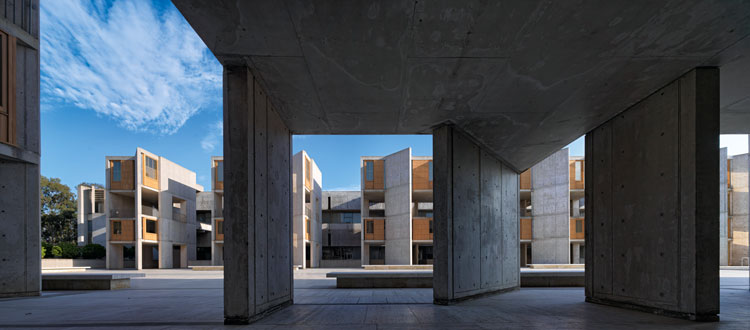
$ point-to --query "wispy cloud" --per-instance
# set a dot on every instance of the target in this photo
(213, 137)
(349, 188)
(145, 68)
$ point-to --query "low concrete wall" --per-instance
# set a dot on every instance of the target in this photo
(67, 263)
(354, 263)
(199, 263)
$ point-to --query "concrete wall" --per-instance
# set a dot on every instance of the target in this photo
(398, 208)
(258, 218)
(550, 209)
(342, 234)
(65, 263)
(723, 209)
(342, 200)
(299, 225)
(652, 211)
(740, 209)
(20, 250)
(476, 219)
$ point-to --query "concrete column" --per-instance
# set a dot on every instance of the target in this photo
(723, 209)
(398, 199)
(652, 210)
(550, 209)
(258, 221)
(576, 253)
(476, 220)
(740, 210)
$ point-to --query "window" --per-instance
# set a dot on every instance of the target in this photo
(7, 89)
(579, 226)
(430, 226)
(220, 227)
(117, 227)
(220, 171)
(370, 227)
(151, 226)
(150, 167)
(578, 171)
(424, 214)
(307, 224)
(430, 170)
(370, 170)
(116, 171)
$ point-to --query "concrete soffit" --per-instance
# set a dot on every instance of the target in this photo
(482, 145)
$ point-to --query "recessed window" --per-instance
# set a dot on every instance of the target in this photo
(151, 226)
(430, 163)
(220, 171)
(430, 226)
(117, 171)
(370, 170)
(150, 167)
(370, 227)
(220, 227)
(117, 228)
(579, 226)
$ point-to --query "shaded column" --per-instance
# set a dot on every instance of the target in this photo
(652, 210)
(550, 209)
(258, 231)
(476, 220)
(723, 209)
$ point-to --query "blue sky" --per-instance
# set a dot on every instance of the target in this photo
(116, 75)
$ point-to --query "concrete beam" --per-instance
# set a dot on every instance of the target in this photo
(476, 220)
(258, 222)
(652, 211)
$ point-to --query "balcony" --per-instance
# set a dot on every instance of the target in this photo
(177, 215)
(150, 229)
(577, 229)
(149, 211)
(122, 213)
(122, 230)
(374, 229)
(219, 230)
(422, 229)
(308, 209)
(526, 229)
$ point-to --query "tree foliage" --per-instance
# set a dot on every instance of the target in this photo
(58, 212)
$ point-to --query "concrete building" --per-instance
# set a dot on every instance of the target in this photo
(552, 211)
(397, 209)
(341, 229)
(151, 212)
(92, 217)
(217, 210)
(20, 265)
(734, 209)
(306, 215)
(204, 205)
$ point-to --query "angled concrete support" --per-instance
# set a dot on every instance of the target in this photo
(476, 220)
(258, 231)
(652, 209)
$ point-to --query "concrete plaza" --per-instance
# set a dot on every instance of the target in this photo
(178, 299)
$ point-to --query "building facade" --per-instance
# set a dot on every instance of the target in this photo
(552, 211)
(92, 217)
(341, 229)
(151, 212)
(734, 208)
(307, 189)
(396, 209)
(217, 210)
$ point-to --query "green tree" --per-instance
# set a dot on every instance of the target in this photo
(58, 212)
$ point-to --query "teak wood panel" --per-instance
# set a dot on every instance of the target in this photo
(218, 185)
(378, 229)
(219, 233)
(307, 228)
(729, 173)
(128, 231)
(7, 88)
(572, 170)
(147, 181)
(421, 229)
(421, 175)
(526, 180)
(526, 229)
(308, 174)
(150, 236)
(573, 233)
(127, 175)
(377, 181)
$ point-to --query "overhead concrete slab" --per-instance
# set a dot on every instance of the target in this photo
(524, 78)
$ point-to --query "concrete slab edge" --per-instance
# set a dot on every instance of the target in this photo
(656, 311)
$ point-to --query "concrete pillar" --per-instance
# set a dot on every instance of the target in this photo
(576, 253)
(258, 221)
(550, 209)
(652, 211)
(398, 199)
(476, 220)
(740, 210)
(723, 209)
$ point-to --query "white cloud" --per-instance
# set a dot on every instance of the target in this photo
(213, 137)
(146, 69)
(349, 188)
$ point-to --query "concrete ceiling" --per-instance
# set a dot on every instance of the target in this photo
(522, 77)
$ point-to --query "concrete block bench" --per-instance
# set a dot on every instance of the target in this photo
(207, 268)
(54, 282)
(383, 279)
(552, 278)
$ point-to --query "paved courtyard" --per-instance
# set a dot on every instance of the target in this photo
(179, 299)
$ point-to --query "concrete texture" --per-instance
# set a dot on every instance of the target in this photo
(476, 219)
(258, 219)
(300, 211)
(20, 264)
(657, 254)
(558, 69)
(740, 211)
(398, 189)
(550, 209)
(723, 209)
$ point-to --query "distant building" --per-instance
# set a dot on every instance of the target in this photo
(734, 207)
(341, 229)
(552, 211)
(150, 203)
(397, 209)
(92, 218)
(217, 210)
(306, 216)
